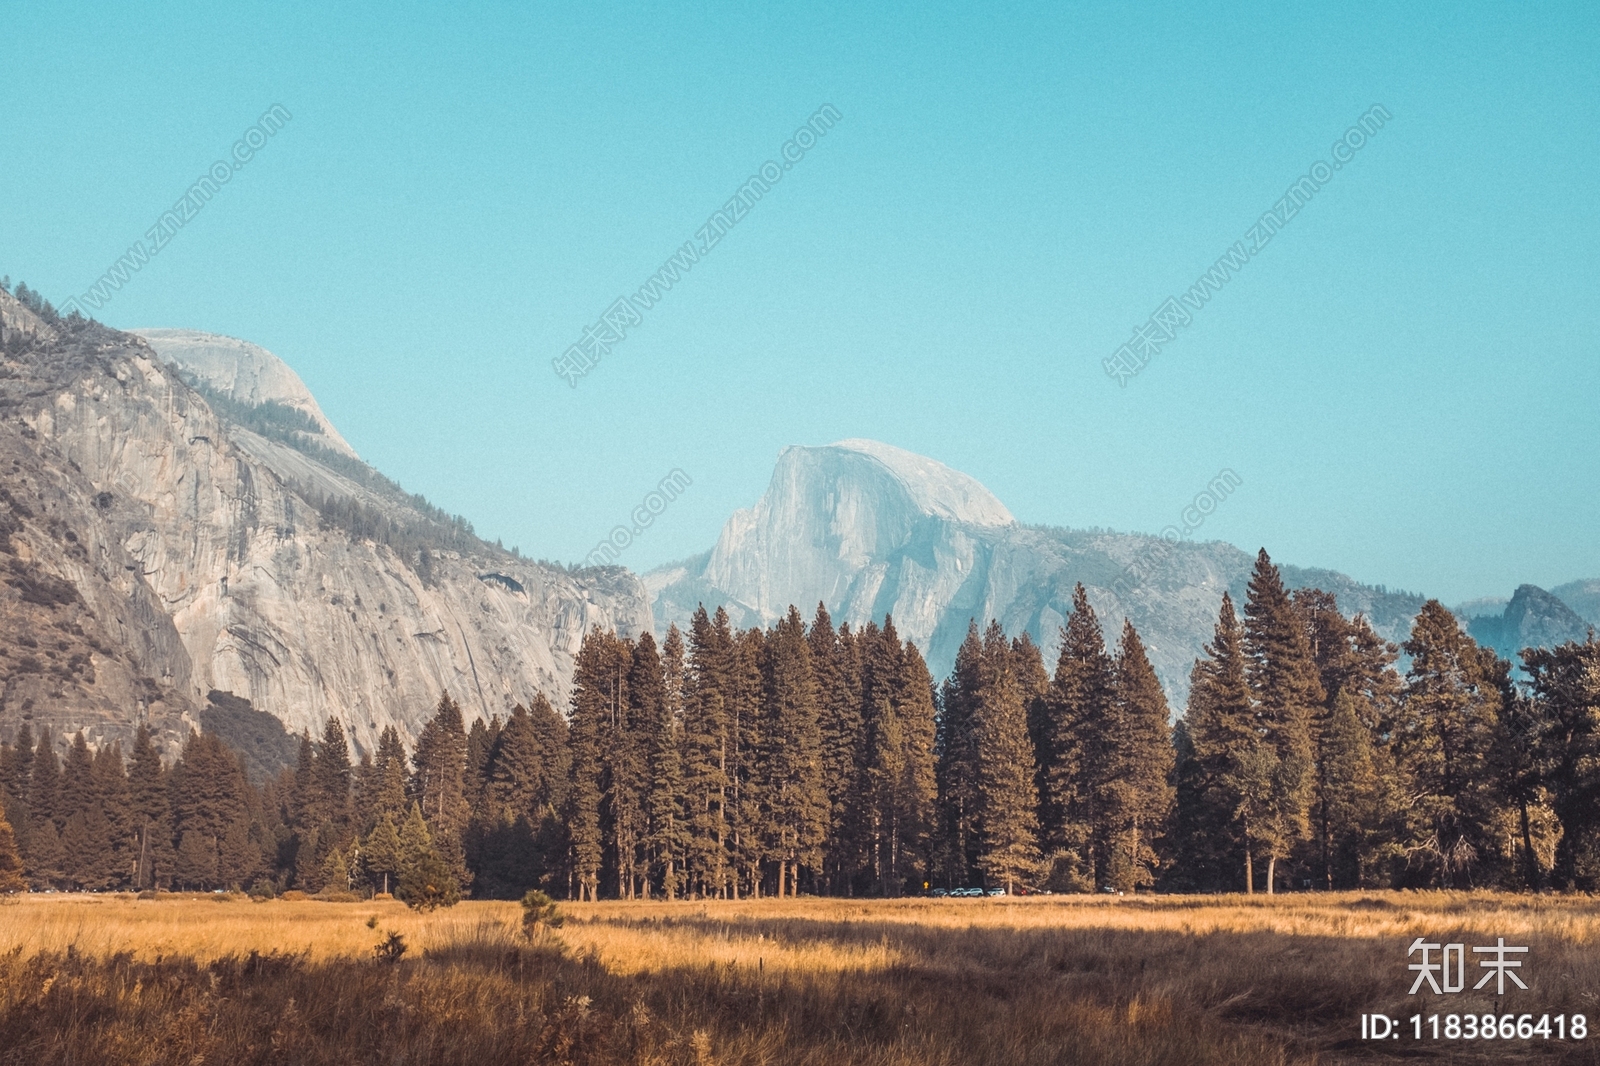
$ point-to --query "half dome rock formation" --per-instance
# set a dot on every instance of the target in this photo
(222, 536)
(832, 515)
(870, 529)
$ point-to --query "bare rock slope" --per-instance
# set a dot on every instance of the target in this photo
(247, 554)
(870, 529)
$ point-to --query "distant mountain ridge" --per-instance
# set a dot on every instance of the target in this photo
(1532, 618)
(176, 546)
(245, 373)
(870, 529)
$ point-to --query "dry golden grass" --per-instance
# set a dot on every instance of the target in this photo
(1177, 980)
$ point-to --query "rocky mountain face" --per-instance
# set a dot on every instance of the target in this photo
(1583, 597)
(1533, 618)
(159, 550)
(245, 373)
(871, 530)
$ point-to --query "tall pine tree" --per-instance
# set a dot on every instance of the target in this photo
(1008, 826)
(438, 784)
(1138, 792)
(1287, 693)
(1074, 722)
(796, 797)
(669, 828)
(1443, 736)
(1225, 778)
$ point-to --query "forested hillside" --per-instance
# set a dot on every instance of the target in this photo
(804, 758)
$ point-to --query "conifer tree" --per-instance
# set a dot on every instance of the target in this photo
(960, 790)
(748, 831)
(76, 804)
(599, 710)
(1564, 713)
(918, 814)
(11, 873)
(630, 767)
(389, 779)
(303, 812)
(1073, 722)
(1008, 814)
(363, 789)
(426, 878)
(438, 784)
(108, 825)
(77, 781)
(76, 799)
(844, 740)
(1517, 759)
(44, 859)
(797, 798)
(1287, 693)
(240, 850)
(1351, 660)
(883, 757)
(551, 798)
(196, 863)
(1442, 740)
(332, 778)
(519, 785)
(336, 872)
(1352, 795)
(1226, 775)
(16, 773)
(210, 808)
(1137, 792)
(669, 830)
(480, 749)
(707, 743)
(149, 814)
(1035, 682)
(382, 856)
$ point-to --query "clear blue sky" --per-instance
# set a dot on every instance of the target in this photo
(1406, 378)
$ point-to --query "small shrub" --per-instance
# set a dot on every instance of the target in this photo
(337, 895)
(539, 915)
(294, 895)
(390, 950)
(429, 883)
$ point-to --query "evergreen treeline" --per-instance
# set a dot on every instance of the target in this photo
(728, 764)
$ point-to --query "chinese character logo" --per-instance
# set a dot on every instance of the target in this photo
(1448, 973)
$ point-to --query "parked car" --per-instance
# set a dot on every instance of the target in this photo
(996, 892)
(939, 892)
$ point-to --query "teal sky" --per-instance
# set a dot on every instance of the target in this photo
(1406, 379)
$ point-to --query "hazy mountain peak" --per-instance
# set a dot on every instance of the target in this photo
(1533, 618)
(870, 529)
(1583, 597)
(245, 373)
(937, 490)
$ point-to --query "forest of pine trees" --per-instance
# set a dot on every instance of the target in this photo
(809, 758)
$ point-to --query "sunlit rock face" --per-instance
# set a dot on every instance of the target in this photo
(204, 560)
(870, 529)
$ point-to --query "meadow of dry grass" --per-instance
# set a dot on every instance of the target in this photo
(1139, 980)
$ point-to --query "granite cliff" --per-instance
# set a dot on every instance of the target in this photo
(870, 529)
(181, 519)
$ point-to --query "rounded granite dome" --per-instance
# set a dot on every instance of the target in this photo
(936, 489)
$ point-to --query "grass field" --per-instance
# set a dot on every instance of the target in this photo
(1181, 980)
